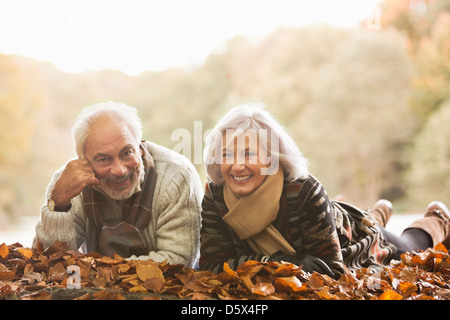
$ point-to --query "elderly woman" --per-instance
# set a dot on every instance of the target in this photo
(261, 204)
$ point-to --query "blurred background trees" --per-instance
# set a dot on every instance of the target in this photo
(369, 108)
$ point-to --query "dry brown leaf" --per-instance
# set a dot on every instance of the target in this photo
(440, 247)
(154, 284)
(3, 268)
(27, 253)
(5, 290)
(137, 288)
(263, 289)
(390, 295)
(58, 246)
(406, 288)
(315, 282)
(123, 267)
(247, 282)
(291, 282)
(147, 271)
(32, 278)
(324, 294)
(108, 260)
(57, 272)
(184, 277)
(38, 296)
(229, 271)
(7, 275)
(4, 251)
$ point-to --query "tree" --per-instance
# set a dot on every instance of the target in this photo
(426, 24)
(358, 124)
(20, 99)
(430, 166)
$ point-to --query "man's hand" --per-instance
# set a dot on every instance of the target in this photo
(77, 175)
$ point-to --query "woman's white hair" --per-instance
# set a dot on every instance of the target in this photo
(112, 110)
(253, 116)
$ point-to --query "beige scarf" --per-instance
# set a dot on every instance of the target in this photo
(251, 216)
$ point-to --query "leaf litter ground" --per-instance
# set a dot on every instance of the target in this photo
(46, 274)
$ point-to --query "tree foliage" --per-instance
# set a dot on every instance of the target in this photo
(426, 25)
(430, 165)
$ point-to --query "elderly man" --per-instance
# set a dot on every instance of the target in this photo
(123, 195)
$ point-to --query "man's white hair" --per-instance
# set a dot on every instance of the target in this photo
(253, 116)
(113, 110)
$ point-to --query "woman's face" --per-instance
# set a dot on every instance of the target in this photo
(242, 162)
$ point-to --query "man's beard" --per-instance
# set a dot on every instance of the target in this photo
(136, 176)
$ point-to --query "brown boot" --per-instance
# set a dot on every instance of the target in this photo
(436, 223)
(381, 212)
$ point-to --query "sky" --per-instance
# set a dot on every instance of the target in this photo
(137, 35)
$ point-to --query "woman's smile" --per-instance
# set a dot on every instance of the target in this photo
(242, 179)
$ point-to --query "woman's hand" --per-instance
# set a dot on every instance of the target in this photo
(308, 262)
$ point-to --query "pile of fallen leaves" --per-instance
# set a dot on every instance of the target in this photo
(39, 273)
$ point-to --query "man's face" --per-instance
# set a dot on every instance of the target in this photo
(115, 156)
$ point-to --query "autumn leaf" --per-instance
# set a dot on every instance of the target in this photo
(4, 251)
(289, 282)
(58, 246)
(5, 290)
(99, 282)
(249, 268)
(406, 288)
(154, 284)
(247, 282)
(138, 288)
(58, 272)
(390, 295)
(324, 294)
(229, 271)
(146, 271)
(440, 247)
(3, 268)
(123, 268)
(263, 289)
(315, 282)
(285, 269)
(27, 253)
(7, 275)
(32, 277)
(184, 277)
(108, 261)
